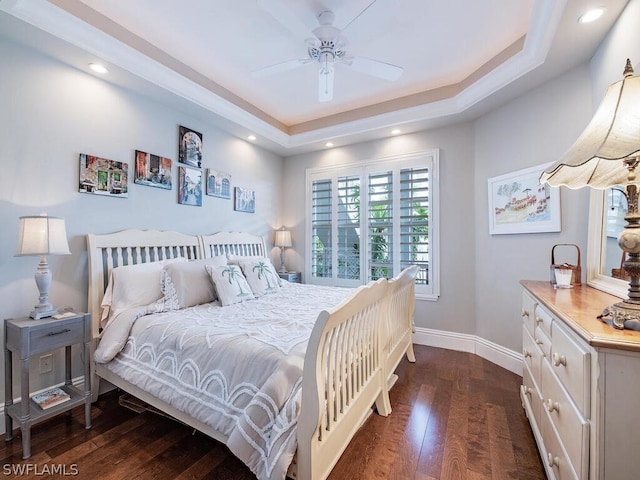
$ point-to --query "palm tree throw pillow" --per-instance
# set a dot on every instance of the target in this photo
(231, 285)
(261, 276)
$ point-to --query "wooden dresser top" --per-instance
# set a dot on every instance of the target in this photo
(579, 308)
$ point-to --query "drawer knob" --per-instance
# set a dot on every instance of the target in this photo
(60, 332)
(525, 313)
(539, 342)
(526, 390)
(526, 353)
(559, 360)
(553, 461)
(539, 320)
(550, 405)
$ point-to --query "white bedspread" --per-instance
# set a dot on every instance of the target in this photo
(236, 368)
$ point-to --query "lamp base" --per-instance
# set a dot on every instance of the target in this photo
(43, 311)
(622, 315)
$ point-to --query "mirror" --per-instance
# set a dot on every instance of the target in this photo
(607, 210)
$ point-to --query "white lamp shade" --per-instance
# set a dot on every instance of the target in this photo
(595, 159)
(283, 238)
(42, 235)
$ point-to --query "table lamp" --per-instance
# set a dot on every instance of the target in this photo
(42, 235)
(607, 154)
(283, 240)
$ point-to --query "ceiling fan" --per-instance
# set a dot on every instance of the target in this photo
(326, 46)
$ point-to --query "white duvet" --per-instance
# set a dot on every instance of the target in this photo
(236, 368)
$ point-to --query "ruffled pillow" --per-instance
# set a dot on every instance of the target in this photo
(187, 284)
(261, 276)
(133, 286)
(230, 284)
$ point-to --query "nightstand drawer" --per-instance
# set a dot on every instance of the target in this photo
(55, 336)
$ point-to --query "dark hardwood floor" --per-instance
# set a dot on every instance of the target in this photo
(455, 416)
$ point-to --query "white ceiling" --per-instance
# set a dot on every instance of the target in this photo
(460, 57)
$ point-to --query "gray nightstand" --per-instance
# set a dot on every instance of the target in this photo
(293, 277)
(24, 338)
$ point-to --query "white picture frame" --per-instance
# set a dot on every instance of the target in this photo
(519, 203)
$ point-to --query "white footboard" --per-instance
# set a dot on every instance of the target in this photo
(344, 375)
(402, 301)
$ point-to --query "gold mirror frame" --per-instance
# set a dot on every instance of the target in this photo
(596, 248)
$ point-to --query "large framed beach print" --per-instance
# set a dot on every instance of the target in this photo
(519, 203)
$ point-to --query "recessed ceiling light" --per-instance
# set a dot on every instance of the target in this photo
(592, 15)
(251, 137)
(96, 67)
(328, 144)
(395, 131)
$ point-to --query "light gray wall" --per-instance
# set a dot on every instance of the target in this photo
(533, 129)
(49, 114)
(454, 311)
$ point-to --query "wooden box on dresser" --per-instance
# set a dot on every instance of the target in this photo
(580, 384)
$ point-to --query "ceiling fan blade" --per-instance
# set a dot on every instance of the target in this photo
(283, 15)
(383, 70)
(279, 67)
(325, 85)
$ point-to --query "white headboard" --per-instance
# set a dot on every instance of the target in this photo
(233, 243)
(129, 247)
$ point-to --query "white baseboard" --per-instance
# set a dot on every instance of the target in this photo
(462, 342)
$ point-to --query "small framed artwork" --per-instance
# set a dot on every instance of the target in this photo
(245, 200)
(152, 170)
(218, 184)
(519, 203)
(189, 186)
(190, 147)
(103, 177)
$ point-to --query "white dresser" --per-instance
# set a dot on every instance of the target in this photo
(580, 384)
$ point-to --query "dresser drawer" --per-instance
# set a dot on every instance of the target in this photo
(46, 338)
(530, 395)
(532, 356)
(528, 312)
(543, 341)
(571, 362)
(554, 457)
(570, 425)
(543, 320)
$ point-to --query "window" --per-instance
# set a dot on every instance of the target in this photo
(372, 220)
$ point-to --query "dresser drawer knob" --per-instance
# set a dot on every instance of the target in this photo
(559, 360)
(539, 342)
(53, 334)
(526, 390)
(539, 320)
(526, 353)
(553, 461)
(550, 405)
(524, 313)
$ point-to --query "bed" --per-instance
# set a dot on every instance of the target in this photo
(335, 350)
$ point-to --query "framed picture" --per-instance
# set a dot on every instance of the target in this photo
(519, 203)
(189, 186)
(103, 177)
(218, 184)
(190, 147)
(152, 170)
(245, 200)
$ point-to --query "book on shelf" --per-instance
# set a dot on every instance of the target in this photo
(50, 398)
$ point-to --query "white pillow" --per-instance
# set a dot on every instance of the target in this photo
(237, 259)
(230, 284)
(185, 284)
(261, 276)
(133, 286)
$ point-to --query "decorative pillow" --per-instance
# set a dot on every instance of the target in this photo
(237, 259)
(261, 276)
(186, 284)
(133, 286)
(230, 284)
